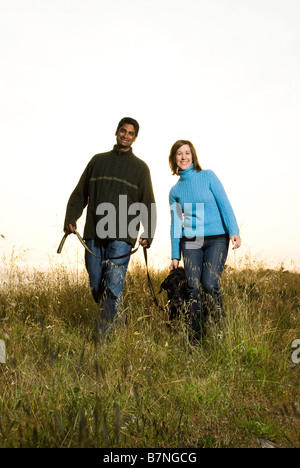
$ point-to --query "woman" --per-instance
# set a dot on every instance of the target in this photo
(201, 227)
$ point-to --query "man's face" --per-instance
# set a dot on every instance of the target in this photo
(126, 137)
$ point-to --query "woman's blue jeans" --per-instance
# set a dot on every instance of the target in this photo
(107, 276)
(204, 264)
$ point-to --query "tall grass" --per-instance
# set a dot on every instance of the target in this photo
(64, 386)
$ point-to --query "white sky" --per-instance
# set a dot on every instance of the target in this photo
(224, 74)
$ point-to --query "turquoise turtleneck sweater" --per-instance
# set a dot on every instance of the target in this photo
(199, 207)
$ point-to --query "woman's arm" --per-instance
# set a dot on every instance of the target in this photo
(176, 226)
(223, 205)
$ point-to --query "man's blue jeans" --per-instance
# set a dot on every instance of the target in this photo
(107, 276)
(203, 267)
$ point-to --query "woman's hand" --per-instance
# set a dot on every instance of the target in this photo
(174, 264)
(236, 242)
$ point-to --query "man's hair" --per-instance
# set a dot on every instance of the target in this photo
(129, 120)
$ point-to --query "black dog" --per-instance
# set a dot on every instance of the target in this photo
(176, 285)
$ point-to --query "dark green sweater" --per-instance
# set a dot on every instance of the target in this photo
(106, 177)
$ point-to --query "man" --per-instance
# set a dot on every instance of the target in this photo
(116, 187)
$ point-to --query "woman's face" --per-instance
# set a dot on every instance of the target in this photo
(184, 158)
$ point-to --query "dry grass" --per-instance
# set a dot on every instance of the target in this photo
(62, 386)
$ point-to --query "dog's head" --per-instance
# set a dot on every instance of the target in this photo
(176, 285)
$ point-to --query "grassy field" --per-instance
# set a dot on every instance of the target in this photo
(62, 386)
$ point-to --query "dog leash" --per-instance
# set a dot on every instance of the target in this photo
(151, 288)
(62, 243)
(150, 285)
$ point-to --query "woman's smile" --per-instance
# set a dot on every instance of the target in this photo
(184, 158)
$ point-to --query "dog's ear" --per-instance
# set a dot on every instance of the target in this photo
(162, 286)
(183, 284)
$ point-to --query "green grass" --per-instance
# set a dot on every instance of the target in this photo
(61, 386)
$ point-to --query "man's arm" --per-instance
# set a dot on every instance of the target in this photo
(148, 200)
(77, 201)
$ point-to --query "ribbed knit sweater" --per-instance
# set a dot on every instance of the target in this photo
(199, 207)
(107, 177)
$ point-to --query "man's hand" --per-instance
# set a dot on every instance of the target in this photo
(70, 229)
(144, 243)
